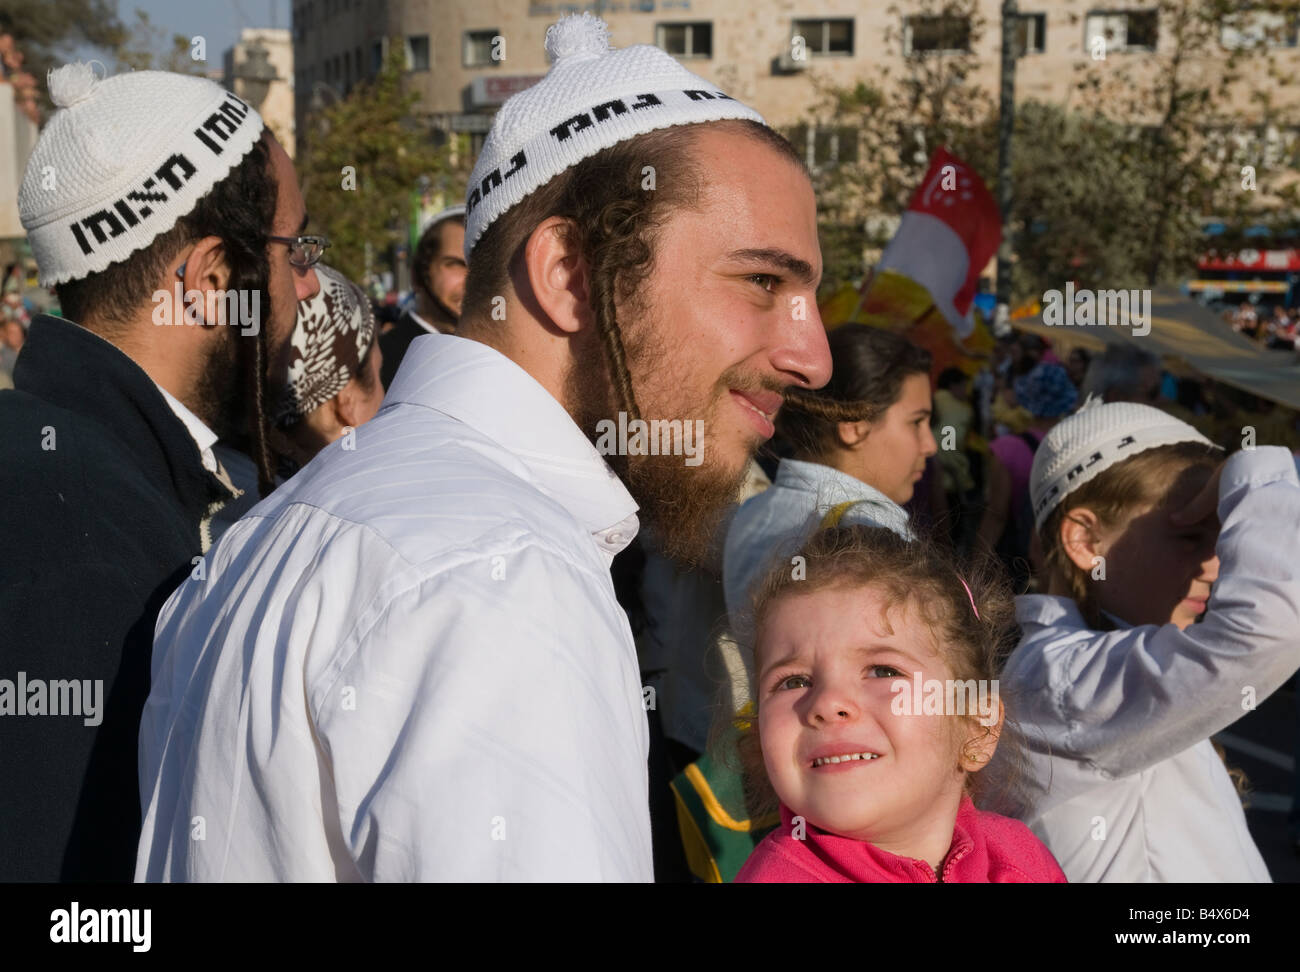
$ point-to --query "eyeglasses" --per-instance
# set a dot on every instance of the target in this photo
(304, 251)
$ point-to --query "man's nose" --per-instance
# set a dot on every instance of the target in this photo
(306, 284)
(803, 351)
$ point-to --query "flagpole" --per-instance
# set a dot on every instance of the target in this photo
(1006, 126)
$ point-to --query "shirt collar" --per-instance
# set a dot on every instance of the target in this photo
(830, 487)
(203, 436)
(489, 392)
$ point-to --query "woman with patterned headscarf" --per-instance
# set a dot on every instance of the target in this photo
(334, 362)
(331, 386)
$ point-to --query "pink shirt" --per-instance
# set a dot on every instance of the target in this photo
(986, 849)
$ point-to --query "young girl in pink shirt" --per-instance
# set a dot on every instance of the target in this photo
(878, 707)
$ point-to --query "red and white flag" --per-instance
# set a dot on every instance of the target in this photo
(950, 231)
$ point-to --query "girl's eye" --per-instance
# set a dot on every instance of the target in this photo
(884, 671)
(794, 682)
(761, 277)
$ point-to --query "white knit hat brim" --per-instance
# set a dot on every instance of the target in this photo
(1081, 447)
(99, 208)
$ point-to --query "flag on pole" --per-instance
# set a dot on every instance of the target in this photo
(949, 233)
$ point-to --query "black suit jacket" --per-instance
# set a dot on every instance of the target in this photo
(102, 491)
(395, 342)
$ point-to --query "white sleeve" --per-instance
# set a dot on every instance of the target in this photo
(1129, 699)
(489, 726)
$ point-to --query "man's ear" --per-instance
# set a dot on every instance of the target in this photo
(851, 434)
(1081, 537)
(206, 270)
(557, 275)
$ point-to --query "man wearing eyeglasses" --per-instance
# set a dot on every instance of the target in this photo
(141, 186)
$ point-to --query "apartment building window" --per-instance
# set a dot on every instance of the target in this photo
(824, 145)
(1257, 28)
(685, 40)
(1031, 31)
(417, 52)
(356, 63)
(1122, 30)
(826, 37)
(378, 50)
(943, 34)
(477, 48)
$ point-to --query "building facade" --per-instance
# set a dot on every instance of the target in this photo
(259, 68)
(465, 57)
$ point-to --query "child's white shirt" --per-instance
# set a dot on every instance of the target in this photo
(1123, 782)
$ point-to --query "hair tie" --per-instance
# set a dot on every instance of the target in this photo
(970, 595)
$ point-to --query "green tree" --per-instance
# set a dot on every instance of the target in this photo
(47, 31)
(1185, 103)
(1111, 188)
(359, 163)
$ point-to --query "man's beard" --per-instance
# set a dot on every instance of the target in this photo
(219, 389)
(681, 506)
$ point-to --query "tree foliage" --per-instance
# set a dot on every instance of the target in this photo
(46, 31)
(1111, 188)
(361, 160)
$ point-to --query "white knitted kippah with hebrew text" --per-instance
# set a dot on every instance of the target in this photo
(1092, 440)
(122, 160)
(591, 98)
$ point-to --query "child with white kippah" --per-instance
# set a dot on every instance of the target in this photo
(1160, 628)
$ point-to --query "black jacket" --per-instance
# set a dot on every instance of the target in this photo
(102, 493)
(395, 342)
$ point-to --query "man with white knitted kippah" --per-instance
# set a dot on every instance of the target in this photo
(148, 199)
(409, 664)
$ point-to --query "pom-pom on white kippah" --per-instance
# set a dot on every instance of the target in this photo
(71, 83)
(1080, 447)
(592, 97)
(577, 36)
(122, 159)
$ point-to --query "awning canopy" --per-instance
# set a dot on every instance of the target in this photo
(1184, 329)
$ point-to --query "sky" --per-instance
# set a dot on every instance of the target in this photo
(218, 21)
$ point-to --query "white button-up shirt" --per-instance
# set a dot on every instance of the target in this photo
(408, 662)
(1123, 783)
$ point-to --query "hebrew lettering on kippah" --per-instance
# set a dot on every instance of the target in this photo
(125, 212)
(493, 179)
(93, 221)
(602, 111)
(175, 171)
(175, 161)
(572, 126)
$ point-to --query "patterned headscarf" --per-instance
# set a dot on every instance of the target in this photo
(1046, 391)
(333, 332)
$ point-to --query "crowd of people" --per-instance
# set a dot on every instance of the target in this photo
(1274, 326)
(364, 599)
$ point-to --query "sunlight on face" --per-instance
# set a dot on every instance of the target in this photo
(824, 688)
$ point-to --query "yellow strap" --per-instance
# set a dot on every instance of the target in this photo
(699, 858)
(717, 811)
(832, 519)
